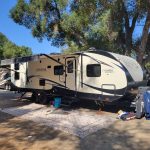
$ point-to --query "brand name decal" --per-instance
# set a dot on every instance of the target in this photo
(41, 69)
(108, 71)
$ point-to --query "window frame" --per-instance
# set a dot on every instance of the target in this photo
(17, 66)
(70, 68)
(88, 70)
(58, 67)
(42, 82)
(17, 74)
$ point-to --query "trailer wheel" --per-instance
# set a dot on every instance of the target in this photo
(35, 97)
(43, 98)
(6, 87)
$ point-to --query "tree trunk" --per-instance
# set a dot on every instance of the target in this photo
(128, 39)
(129, 29)
(144, 38)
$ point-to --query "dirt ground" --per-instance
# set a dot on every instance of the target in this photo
(17, 134)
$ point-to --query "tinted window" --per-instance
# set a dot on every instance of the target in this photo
(17, 75)
(16, 66)
(58, 70)
(70, 66)
(48, 66)
(93, 70)
(42, 82)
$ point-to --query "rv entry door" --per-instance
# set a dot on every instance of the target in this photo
(71, 73)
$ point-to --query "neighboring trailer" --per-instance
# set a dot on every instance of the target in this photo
(4, 79)
(94, 75)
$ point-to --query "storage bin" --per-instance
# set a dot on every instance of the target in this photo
(57, 102)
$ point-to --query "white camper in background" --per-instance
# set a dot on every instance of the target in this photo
(4, 78)
(94, 75)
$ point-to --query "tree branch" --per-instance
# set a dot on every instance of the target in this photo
(144, 38)
(126, 17)
(134, 21)
(57, 10)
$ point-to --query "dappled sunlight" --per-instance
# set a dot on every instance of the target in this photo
(120, 135)
(77, 122)
(18, 134)
(21, 134)
(11, 99)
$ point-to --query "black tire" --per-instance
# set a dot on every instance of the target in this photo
(5, 87)
(35, 97)
(43, 99)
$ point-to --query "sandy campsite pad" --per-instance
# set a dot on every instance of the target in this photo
(71, 121)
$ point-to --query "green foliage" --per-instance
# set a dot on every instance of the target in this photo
(42, 17)
(73, 47)
(100, 35)
(9, 50)
(81, 24)
(3, 40)
(147, 65)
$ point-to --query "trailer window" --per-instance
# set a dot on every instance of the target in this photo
(93, 70)
(17, 74)
(58, 70)
(42, 82)
(17, 66)
(70, 66)
(48, 67)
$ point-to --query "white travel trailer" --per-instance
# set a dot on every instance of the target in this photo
(94, 75)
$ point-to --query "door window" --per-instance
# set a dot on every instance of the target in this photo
(70, 66)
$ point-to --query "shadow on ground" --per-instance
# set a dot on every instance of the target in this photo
(10, 99)
(16, 134)
(121, 135)
(22, 134)
(122, 104)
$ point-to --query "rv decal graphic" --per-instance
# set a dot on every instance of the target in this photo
(53, 59)
(104, 53)
(57, 84)
(115, 91)
(107, 70)
(32, 76)
(98, 61)
(129, 77)
(40, 69)
(121, 67)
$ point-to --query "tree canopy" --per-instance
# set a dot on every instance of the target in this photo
(9, 49)
(81, 24)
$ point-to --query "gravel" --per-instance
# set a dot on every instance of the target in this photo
(72, 121)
